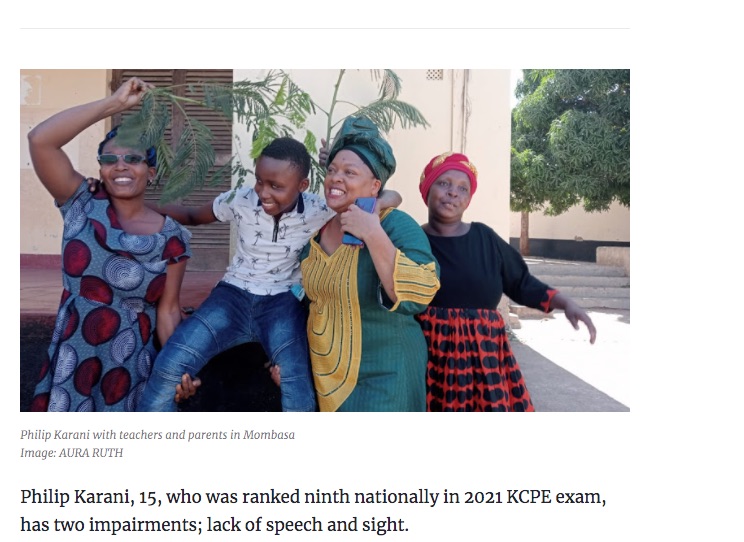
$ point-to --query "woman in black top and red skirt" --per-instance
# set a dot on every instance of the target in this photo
(471, 366)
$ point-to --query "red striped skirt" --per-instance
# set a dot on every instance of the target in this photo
(471, 365)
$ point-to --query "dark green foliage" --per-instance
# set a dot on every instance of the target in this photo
(571, 140)
(147, 126)
(269, 108)
(193, 158)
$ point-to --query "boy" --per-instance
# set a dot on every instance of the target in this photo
(253, 301)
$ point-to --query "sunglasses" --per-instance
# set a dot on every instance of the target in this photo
(110, 159)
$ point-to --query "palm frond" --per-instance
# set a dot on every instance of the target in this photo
(219, 97)
(249, 102)
(281, 94)
(147, 126)
(386, 113)
(310, 142)
(317, 173)
(264, 134)
(390, 84)
(165, 159)
(222, 173)
(298, 102)
(193, 158)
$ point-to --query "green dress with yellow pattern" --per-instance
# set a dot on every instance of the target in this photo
(367, 352)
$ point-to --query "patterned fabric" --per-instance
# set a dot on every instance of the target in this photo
(336, 323)
(266, 260)
(102, 346)
(368, 353)
(471, 366)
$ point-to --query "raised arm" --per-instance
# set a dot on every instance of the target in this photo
(45, 141)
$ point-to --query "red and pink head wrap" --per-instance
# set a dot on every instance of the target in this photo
(445, 162)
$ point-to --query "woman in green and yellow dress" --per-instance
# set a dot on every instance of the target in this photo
(367, 351)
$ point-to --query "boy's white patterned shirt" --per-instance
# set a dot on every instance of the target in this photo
(266, 260)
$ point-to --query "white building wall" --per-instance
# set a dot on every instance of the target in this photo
(44, 93)
(578, 225)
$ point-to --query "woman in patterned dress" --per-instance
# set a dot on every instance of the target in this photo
(366, 349)
(122, 265)
(471, 366)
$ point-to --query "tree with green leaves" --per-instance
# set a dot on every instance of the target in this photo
(570, 142)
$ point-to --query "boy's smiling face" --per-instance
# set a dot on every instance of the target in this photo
(278, 185)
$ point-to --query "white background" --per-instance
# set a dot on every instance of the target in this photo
(671, 468)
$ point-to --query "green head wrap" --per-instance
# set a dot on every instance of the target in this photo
(361, 136)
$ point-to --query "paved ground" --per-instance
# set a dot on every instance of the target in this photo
(563, 372)
(591, 377)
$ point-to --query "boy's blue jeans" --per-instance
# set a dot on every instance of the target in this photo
(228, 317)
